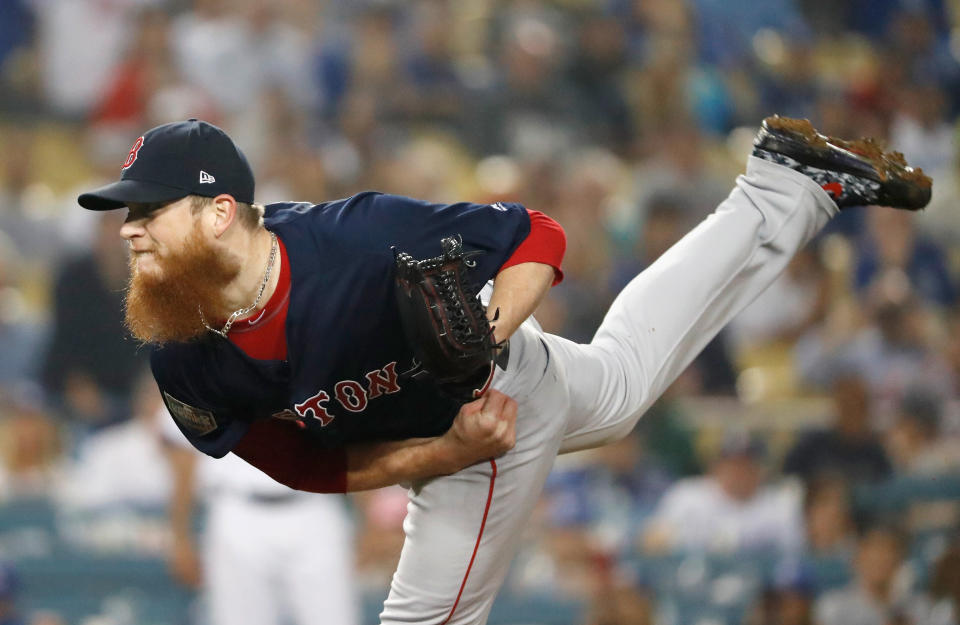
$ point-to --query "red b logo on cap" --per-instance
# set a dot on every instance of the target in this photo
(132, 155)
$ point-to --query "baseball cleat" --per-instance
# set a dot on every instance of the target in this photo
(854, 173)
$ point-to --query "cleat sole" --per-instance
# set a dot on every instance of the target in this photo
(906, 186)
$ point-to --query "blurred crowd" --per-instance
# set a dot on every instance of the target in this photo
(804, 470)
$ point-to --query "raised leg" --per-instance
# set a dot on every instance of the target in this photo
(666, 315)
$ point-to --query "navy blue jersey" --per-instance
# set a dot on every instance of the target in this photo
(346, 351)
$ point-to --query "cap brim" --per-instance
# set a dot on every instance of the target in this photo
(124, 192)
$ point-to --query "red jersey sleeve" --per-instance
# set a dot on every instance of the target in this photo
(545, 244)
(285, 453)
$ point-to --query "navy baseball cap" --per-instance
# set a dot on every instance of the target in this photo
(175, 160)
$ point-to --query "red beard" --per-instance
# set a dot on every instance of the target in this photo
(167, 307)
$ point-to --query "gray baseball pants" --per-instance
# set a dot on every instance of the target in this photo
(462, 530)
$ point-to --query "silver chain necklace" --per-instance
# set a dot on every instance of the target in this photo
(243, 311)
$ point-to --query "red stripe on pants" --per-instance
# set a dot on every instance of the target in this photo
(476, 547)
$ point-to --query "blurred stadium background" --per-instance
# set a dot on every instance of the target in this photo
(806, 469)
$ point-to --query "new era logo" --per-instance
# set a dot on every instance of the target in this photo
(206, 178)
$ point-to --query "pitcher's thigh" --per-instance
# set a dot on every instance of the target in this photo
(603, 391)
(463, 530)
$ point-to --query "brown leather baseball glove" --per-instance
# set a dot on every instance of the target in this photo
(445, 323)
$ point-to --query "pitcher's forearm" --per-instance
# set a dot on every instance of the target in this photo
(376, 465)
(484, 428)
(517, 291)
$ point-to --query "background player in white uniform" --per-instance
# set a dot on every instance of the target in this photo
(269, 555)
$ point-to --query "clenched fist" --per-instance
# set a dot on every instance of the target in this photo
(483, 429)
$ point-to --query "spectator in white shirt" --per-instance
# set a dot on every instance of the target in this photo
(730, 509)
